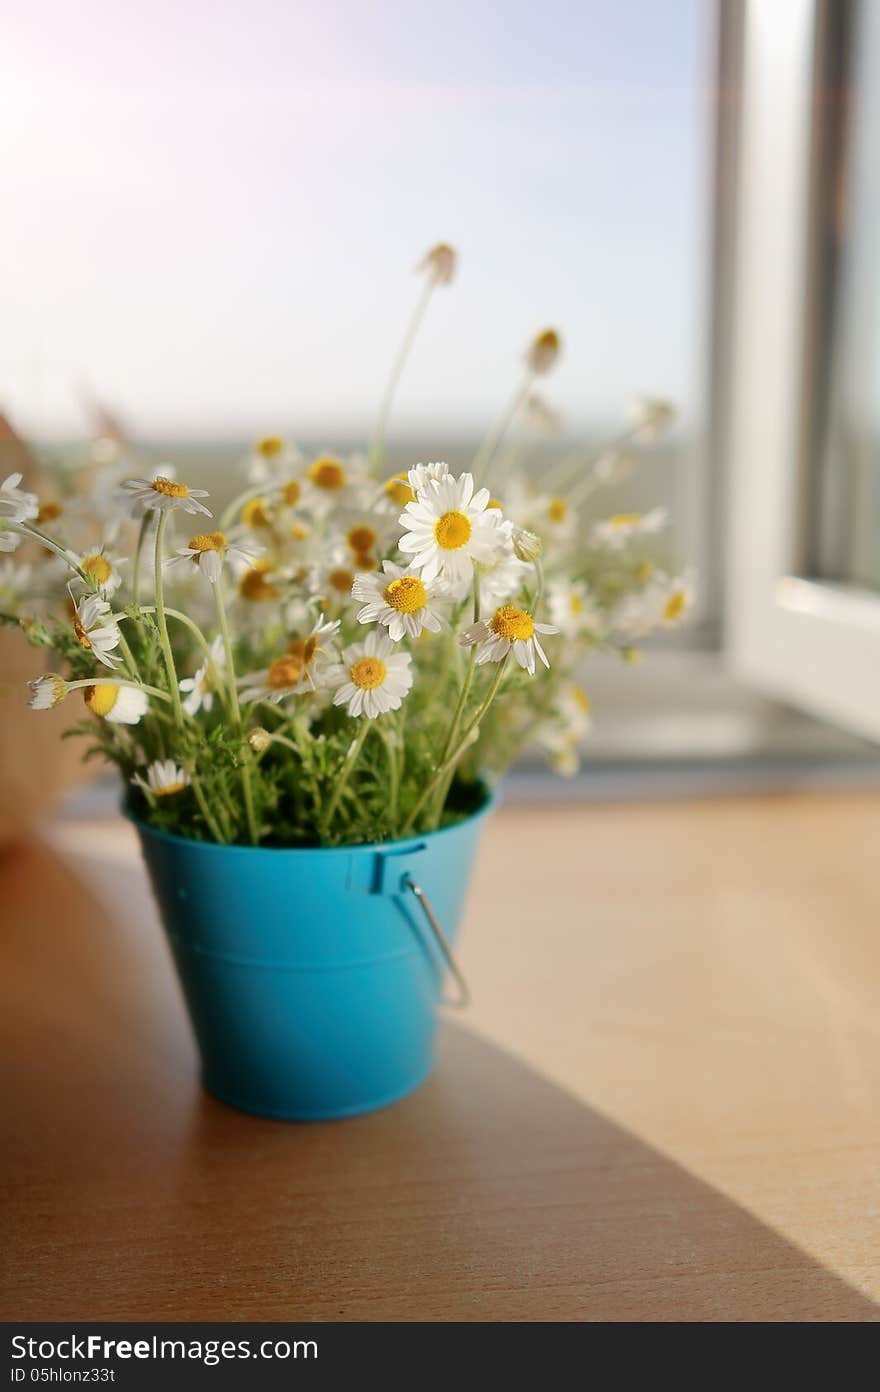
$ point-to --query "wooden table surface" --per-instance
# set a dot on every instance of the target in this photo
(663, 1104)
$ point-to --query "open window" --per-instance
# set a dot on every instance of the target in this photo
(803, 593)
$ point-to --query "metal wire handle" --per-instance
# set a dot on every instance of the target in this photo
(464, 995)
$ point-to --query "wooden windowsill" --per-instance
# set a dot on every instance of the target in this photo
(662, 1105)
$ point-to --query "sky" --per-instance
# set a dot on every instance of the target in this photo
(212, 211)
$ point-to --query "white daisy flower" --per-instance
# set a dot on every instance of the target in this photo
(315, 653)
(400, 489)
(163, 779)
(308, 665)
(394, 494)
(9, 540)
(450, 529)
(573, 609)
(330, 481)
(552, 518)
(96, 628)
(420, 475)
(47, 691)
(663, 602)
(121, 705)
(678, 598)
(614, 533)
(259, 582)
(199, 689)
(373, 678)
(569, 724)
(509, 629)
(331, 580)
(398, 600)
(504, 577)
(367, 536)
(270, 459)
(16, 505)
(208, 550)
(163, 493)
(102, 571)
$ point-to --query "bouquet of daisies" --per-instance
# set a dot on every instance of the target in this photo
(339, 656)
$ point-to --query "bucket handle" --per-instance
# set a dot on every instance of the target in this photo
(464, 995)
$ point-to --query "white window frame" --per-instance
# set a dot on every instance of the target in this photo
(811, 643)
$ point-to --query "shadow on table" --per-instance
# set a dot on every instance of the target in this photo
(490, 1194)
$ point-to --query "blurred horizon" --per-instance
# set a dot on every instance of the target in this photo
(212, 215)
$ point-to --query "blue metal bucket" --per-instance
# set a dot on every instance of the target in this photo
(312, 976)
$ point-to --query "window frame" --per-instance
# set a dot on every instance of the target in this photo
(812, 643)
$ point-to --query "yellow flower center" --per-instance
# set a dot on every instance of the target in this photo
(169, 488)
(407, 594)
(101, 698)
(399, 491)
(495, 502)
(82, 635)
(284, 671)
(292, 493)
(341, 580)
(362, 539)
(299, 531)
(49, 511)
(97, 568)
(645, 570)
(254, 513)
(170, 788)
(557, 510)
(452, 531)
(207, 541)
(368, 673)
(328, 474)
(577, 604)
(270, 446)
(303, 650)
(514, 624)
(581, 699)
(624, 519)
(674, 605)
(256, 585)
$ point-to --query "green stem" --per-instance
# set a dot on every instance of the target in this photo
(247, 790)
(213, 825)
(377, 447)
(34, 532)
(389, 740)
(344, 774)
(200, 638)
(161, 623)
(454, 757)
(136, 568)
(486, 453)
(468, 679)
(118, 681)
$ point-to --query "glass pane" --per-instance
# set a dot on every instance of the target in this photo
(846, 516)
(214, 211)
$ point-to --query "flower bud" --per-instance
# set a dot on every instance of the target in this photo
(527, 546)
(47, 691)
(259, 739)
(651, 416)
(543, 351)
(439, 263)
